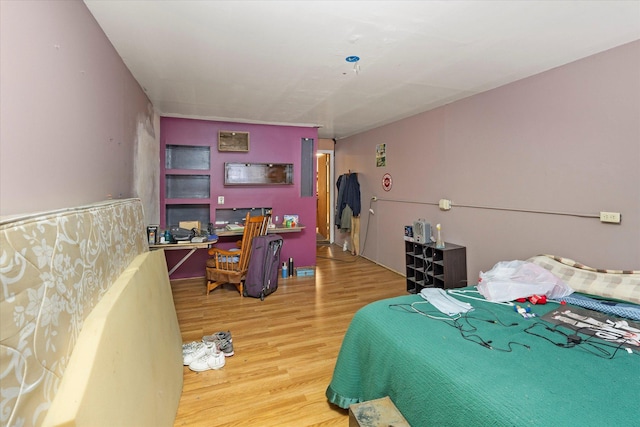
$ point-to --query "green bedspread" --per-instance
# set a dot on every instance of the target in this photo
(438, 378)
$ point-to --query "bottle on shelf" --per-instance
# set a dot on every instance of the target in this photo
(439, 241)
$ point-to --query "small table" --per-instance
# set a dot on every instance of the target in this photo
(192, 247)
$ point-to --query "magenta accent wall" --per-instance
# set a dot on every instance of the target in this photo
(71, 110)
(268, 144)
(566, 140)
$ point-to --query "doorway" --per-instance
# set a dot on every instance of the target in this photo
(324, 196)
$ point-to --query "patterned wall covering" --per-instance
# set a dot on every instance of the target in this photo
(54, 268)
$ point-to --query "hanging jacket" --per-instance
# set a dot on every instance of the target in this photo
(348, 195)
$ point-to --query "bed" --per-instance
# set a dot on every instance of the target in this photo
(502, 369)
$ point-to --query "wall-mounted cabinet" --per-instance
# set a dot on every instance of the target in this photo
(258, 173)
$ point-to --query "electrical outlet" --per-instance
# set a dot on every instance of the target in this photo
(221, 200)
(612, 217)
(445, 204)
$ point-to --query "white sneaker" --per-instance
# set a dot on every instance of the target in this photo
(199, 349)
(189, 347)
(213, 359)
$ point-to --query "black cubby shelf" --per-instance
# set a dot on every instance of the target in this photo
(431, 267)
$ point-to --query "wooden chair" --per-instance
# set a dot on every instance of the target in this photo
(226, 266)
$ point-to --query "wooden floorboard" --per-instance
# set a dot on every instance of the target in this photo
(286, 346)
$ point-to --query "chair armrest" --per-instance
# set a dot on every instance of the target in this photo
(216, 251)
(225, 259)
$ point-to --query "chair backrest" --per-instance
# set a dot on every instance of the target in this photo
(253, 226)
(265, 225)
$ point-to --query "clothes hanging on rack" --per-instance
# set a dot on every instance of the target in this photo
(345, 219)
(348, 197)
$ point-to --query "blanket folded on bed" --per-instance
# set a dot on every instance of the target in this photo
(621, 285)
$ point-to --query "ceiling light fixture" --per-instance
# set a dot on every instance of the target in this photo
(355, 61)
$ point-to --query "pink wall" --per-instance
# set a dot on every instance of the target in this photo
(567, 140)
(70, 109)
(268, 144)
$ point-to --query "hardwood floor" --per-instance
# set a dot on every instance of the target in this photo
(285, 346)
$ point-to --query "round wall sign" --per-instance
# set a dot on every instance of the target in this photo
(387, 182)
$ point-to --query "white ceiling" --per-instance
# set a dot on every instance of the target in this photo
(283, 62)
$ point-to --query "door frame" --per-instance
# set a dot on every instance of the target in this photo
(332, 187)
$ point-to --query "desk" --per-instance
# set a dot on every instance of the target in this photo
(220, 232)
(192, 247)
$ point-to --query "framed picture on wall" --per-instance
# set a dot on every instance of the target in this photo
(381, 155)
(233, 141)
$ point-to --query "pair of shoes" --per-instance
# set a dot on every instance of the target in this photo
(222, 340)
(212, 359)
(196, 350)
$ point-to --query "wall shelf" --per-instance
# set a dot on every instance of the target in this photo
(187, 186)
(191, 157)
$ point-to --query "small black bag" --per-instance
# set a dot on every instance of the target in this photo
(181, 234)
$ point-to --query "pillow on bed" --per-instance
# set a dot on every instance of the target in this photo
(613, 284)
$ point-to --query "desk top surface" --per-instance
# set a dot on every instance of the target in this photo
(176, 246)
(222, 233)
